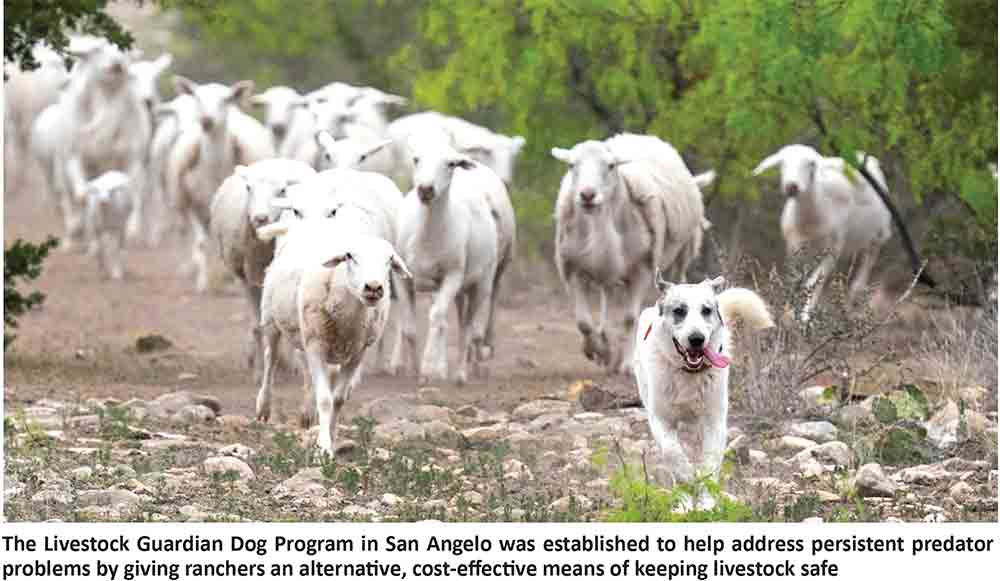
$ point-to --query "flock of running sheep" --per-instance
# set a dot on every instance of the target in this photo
(332, 217)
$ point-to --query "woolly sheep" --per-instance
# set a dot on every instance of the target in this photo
(108, 205)
(206, 153)
(450, 239)
(327, 292)
(171, 120)
(144, 76)
(284, 111)
(841, 214)
(627, 206)
(360, 149)
(240, 206)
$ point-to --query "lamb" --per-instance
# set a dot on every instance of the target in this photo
(144, 76)
(840, 213)
(108, 206)
(205, 154)
(627, 206)
(171, 119)
(240, 206)
(326, 291)
(285, 112)
(361, 150)
(451, 239)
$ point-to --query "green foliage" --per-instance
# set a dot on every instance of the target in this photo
(643, 501)
(900, 440)
(26, 22)
(21, 261)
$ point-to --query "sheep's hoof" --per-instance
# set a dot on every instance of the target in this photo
(460, 378)
(307, 419)
(263, 417)
(485, 352)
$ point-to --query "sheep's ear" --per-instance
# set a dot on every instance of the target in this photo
(376, 148)
(462, 162)
(716, 283)
(399, 267)
(563, 155)
(771, 161)
(163, 61)
(259, 100)
(163, 110)
(272, 231)
(240, 90)
(516, 143)
(703, 180)
(662, 284)
(184, 85)
(324, 139)
(337, 259)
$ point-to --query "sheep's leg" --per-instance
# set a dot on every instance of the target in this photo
(253, 294)
(815, 284)
(388, 352)
(323, 389)
(477, 318)
(198, 255)
(134, 224)
(408, 315)
(674, 261)
(489, 341)
(584, 318)
(270, 342)
(113, 244)
(868, 258)
(605, 352)
(633, 306)
(307, 415)
(435, 361)
(98, 247)
(462, 308)
(73, 219)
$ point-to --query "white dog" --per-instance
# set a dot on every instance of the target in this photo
(681, 365)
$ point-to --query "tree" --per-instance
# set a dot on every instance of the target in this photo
(21, 260)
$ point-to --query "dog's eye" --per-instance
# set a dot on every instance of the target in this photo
(706, 312)
(680, 312)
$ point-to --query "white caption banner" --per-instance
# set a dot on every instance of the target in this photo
(477, 551)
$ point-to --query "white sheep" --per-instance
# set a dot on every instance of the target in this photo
(361, 149)
(833, 208)
(145, 76)
(108, 204)
(171, 118)
(327, 291)
(285, 116)
(206, 153)
(627, 206)
(450, 238)
(323, 196)
(241, 206)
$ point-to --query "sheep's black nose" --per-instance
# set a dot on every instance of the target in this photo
(792, 190)
(425, 192)
(279, 130)
(696, 340)
(207, 123)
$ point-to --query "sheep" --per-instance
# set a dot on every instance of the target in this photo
(171, 119)
(627, 206)
(144, 76)
(826, 206)
(361, 150)
(285, 113)
(98, 125)
(240, 206)
(327, 292)
(323, 196)
(450, 238)
(108, 206)
(205, 154)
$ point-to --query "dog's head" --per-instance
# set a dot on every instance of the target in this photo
(691, 312)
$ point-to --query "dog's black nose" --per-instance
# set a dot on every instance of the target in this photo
(696, 340)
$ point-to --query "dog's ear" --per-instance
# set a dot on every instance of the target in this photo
(716, 283)
(662, 284)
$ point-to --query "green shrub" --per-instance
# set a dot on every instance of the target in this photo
(643, 501)
(22, 260)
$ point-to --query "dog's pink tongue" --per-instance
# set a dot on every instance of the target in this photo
(716, 359)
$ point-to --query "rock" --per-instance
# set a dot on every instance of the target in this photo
(485, 434)
(237, 451)
(440, 430)
(307, 482)
(53, 495)
(430, 394)
(194, 513)
(356, 511)
(959, 464)
(740, 447)
(226, 465)
(44, 417)
(399, 431)
(429, 413)
(85, 421)
(973, 396)
(599, 397)
(817, 431)
(81, 473)
(853, 415)
(186, 376)
(151, 343)
(871, 481)
(468, 411)
(961, 491)
(813, 520)
(234, 422)
(193, 414)
(171, 403)
(435, 504)
(826, 496)
(526, 363)
(579, 501)
(817, 399)
(942, 428)
(533, 409)
(757, 457)
(792, 444)
(834, 452)
(926, 474)
(390, 499)
(344, 446)
(112, 497)
(473, 498)
(546, 422)
(389, 409)
(811, 468)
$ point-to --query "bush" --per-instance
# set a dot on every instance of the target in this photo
(22, 260)
(644, 501)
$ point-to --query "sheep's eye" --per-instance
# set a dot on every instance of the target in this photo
(327, 157)
(349, 257)
(281, 193)
(331, 213)
(611, 166)
(363, 157)
(680, 312)
(706, 311)
(416, 160)
(297, 213)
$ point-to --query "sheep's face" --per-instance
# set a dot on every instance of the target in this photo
(108, 186)
(213, 101)
(144, 76)
(345, 153)
(108, 63)
(593, 171)
(798, 164)
(262, 191)
(280, 105)
(499, 155)
(691, 313)
(434, 166)
(331, 116)
(367, 263)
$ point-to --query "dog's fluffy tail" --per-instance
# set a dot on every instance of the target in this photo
(745, 305)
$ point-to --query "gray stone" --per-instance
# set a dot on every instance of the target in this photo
(818, 431)
(850, 416)
(112, 497)
(792, 444)
(563, 504)
(237, 451)
(307, 482)
(485, 434)
(871, 481)
(399, 431)
(925, 474)
(227, 464)
(531, 410)
(942, 428)
(193, 414)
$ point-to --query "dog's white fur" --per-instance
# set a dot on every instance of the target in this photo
(687, 411)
